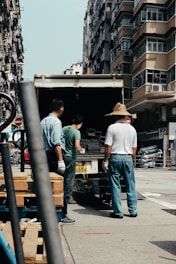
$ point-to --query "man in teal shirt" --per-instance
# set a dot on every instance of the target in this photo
(72, 145)
(55, 145)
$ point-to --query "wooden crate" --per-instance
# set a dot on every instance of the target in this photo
(20, 181)
(25, 189)
(32, 241)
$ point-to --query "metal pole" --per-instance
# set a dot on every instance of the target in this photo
(164, 151)
(122, 95)
(40, 172)
(22, 151)
(12, 202)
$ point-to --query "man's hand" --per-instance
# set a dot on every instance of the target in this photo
(82, 151)
(105, 165)
(61, 167)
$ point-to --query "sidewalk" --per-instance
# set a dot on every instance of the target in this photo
(148, 239)
(96, 238)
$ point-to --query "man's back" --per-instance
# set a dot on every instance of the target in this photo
(122, 137)
(52, 131)
(71, 135)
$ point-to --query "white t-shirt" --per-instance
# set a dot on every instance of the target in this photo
(121, 137)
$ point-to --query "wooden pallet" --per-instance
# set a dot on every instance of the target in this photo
(23, 198)
(32, 241)
(25, 188)
(26, 212)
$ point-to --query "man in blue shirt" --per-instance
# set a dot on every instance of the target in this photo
(55, 145)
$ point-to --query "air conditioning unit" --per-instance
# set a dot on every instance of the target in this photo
(164, 87)
(156, 88)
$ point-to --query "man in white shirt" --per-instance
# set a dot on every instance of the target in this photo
(120, 150)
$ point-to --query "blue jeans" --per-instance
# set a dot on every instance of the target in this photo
(122, 165)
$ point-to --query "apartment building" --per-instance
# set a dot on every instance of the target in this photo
(75, 68)
(143, 50)
(96, 47)
(107, 40)
(121, 42)
(87, 39)
(11, 48)
(154, 72)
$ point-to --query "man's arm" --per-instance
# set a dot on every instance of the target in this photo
(106, 157)
(58, 152)
(61, 163)
(107, 152)
(77, 145)
(134, 149)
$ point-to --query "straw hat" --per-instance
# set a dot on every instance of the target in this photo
(120, 109)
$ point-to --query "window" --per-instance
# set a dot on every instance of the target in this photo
(161, 15)
(139, 80)
(156, 45)
(151, 76)
(143, 16)
(126, 68)
(153, 14)
(149, 45)
(126, 43)
(171, 10)
(171, 42)
(154, 76)
(139, 51)
(135, 83)
(172, 74)
(128, 93)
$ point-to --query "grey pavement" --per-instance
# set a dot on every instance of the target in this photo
(149, 238)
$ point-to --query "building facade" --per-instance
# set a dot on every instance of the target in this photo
(143, 50)
(154, 73)
(76, 68)
(121, 42)
(11, 48)
(96, 47)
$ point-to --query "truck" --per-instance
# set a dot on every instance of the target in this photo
(93, 96)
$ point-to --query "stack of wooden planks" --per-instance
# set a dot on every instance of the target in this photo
(32, 241)
(26, 197)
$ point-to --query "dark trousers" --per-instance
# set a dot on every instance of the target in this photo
(69, 176)
(53, 166)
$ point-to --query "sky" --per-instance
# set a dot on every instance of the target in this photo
(52, 33)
